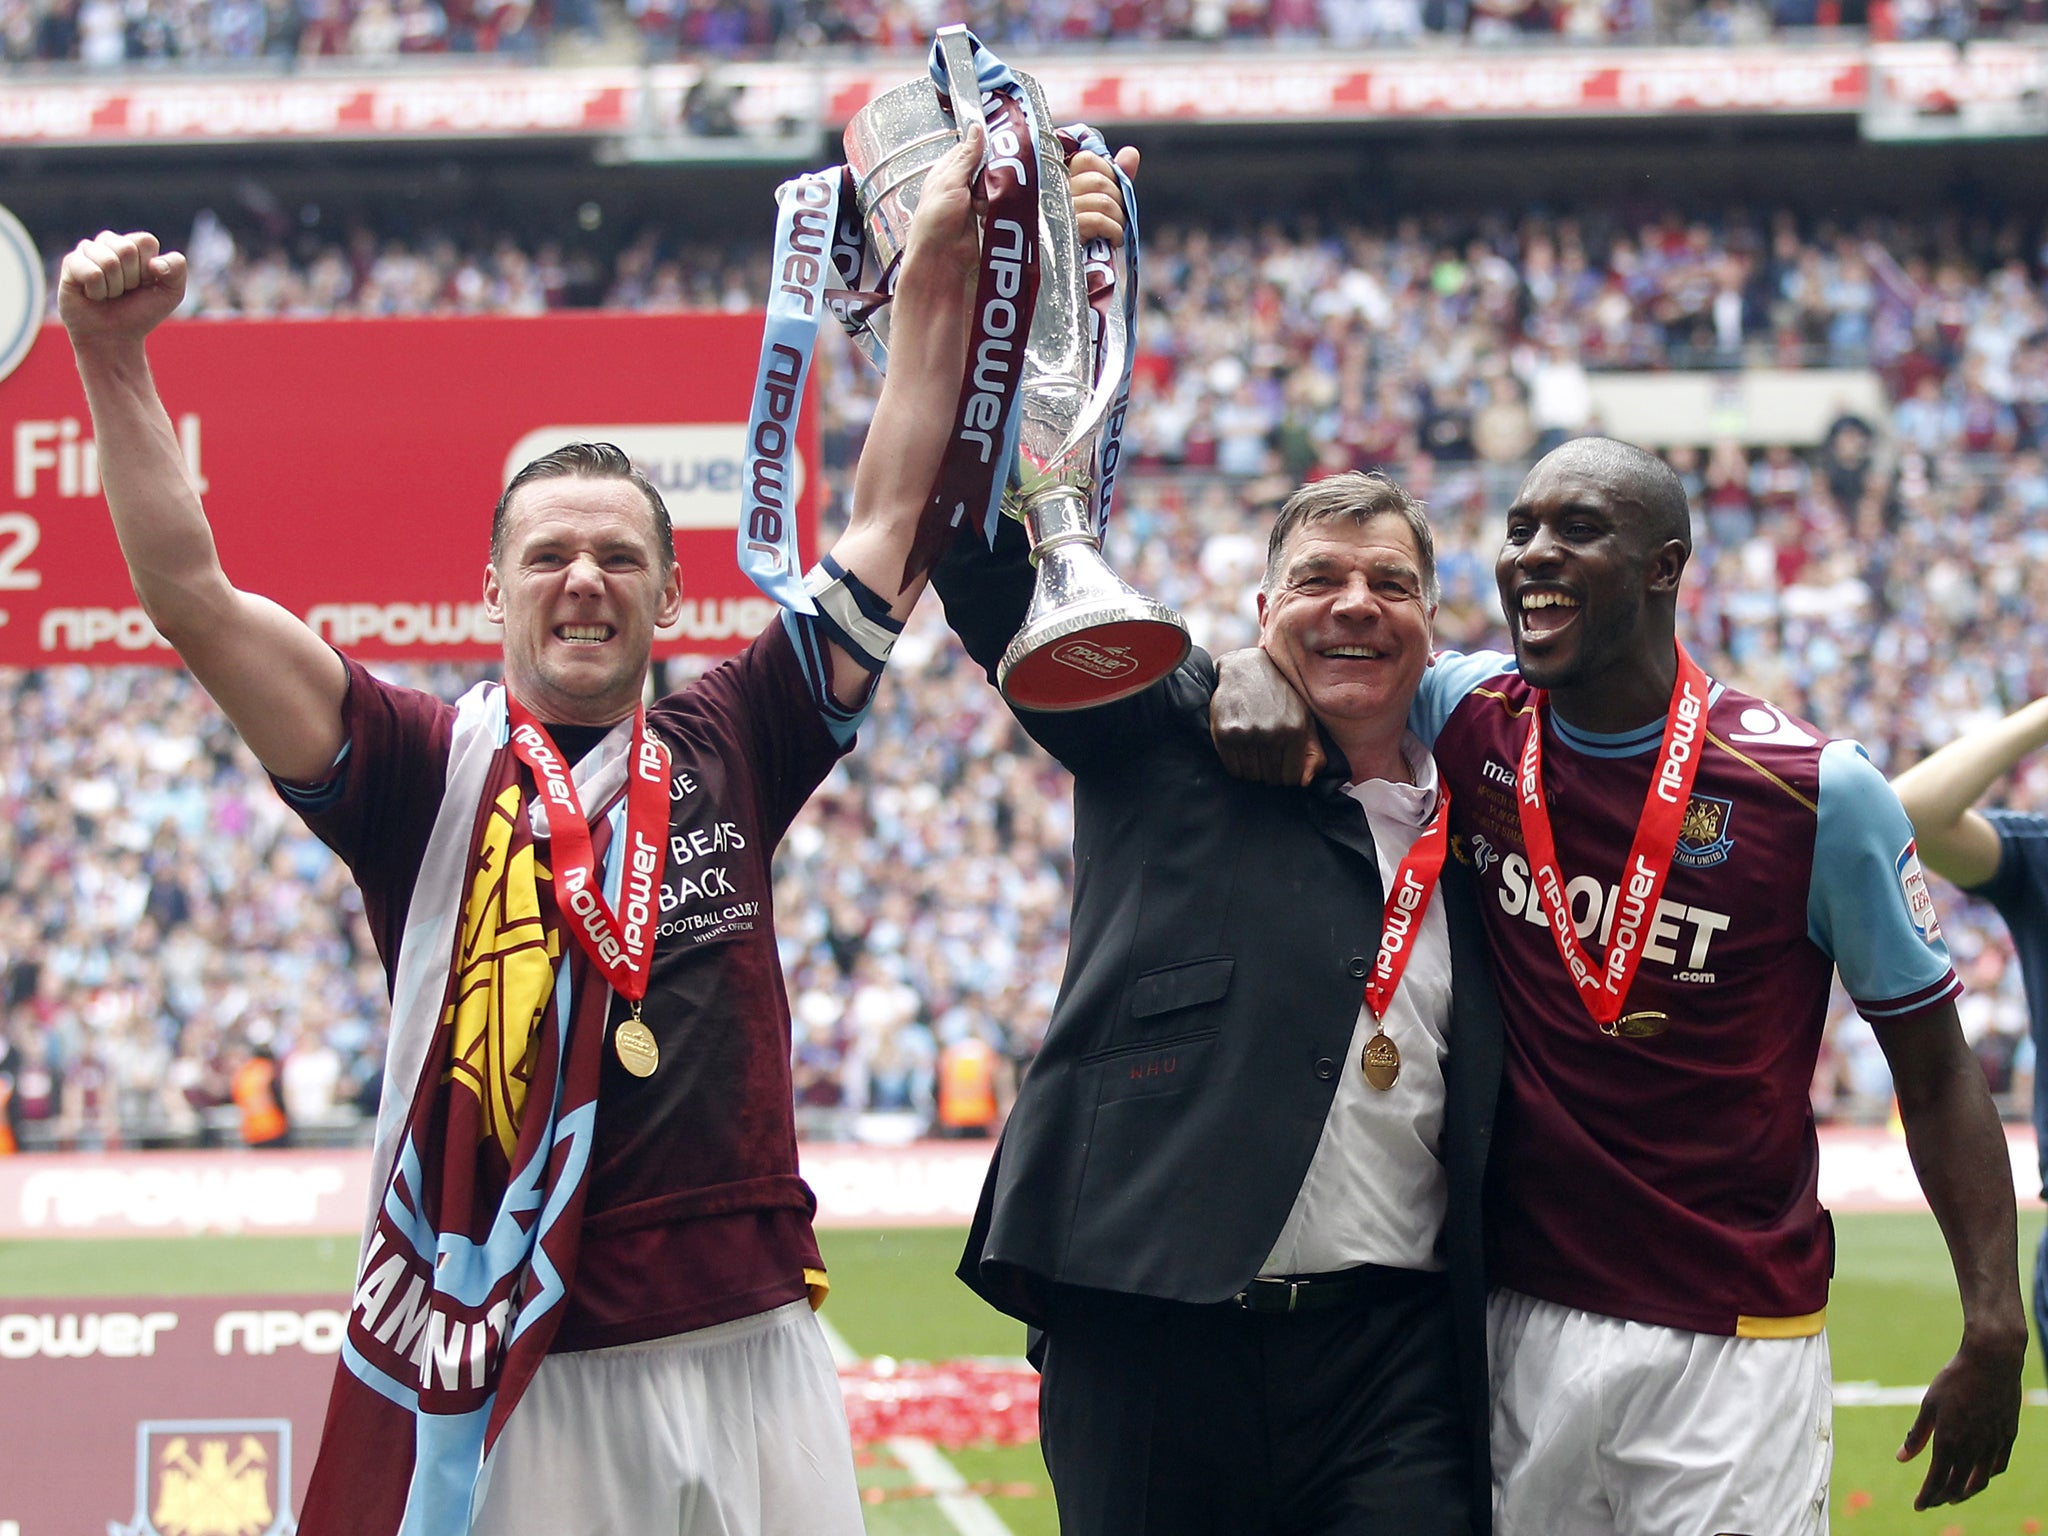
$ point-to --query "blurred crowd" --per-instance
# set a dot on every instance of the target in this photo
(104, 35)
(121, 34)
(163, 920)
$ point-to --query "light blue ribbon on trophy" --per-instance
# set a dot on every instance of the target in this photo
(807, 225)
(1103, 286)
(820, 257)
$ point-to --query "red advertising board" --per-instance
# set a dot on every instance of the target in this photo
(308, 1192)
(162, 1415)
(1611, 82)
(349, 469)
(489, 103)
(201, 1415)
(1825, 76)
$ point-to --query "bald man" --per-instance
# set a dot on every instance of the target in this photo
(1672, 872)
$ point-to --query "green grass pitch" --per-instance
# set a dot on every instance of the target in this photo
(1893, 1320)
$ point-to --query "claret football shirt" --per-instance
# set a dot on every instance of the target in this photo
(1666, 1171)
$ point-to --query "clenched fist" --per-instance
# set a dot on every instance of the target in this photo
(118, 286)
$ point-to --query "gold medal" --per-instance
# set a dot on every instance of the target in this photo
(1381, 1061)
(634, 1042)
(1637, 1026)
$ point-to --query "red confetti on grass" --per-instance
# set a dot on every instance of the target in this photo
(952, 1404)
(986, 1490)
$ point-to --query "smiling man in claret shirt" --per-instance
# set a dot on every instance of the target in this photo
(586, 1290)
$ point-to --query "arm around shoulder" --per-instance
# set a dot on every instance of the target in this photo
(1941, 792)
(278, 682)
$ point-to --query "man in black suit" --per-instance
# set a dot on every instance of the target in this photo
(1240, 1190)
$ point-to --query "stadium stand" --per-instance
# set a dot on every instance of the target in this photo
(104, 35)
(161, 913)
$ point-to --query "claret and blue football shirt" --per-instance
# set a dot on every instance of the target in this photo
(1666, 1170)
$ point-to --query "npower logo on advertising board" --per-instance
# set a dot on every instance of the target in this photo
(696, 467)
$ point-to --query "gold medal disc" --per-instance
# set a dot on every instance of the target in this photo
(1381, 1062)
(1638, 1026)
(638, 1053)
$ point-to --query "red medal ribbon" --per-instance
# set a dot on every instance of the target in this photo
(618, 943)
(1414, 884)
(1604, 989)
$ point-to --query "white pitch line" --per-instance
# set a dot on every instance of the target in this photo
(964, 1509)
(1868, 1394)
(843, 1353)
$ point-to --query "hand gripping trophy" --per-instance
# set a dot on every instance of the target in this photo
(1037, 428)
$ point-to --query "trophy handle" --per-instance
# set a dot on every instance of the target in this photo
(870, 346)
(963, 80)
(1056, 212)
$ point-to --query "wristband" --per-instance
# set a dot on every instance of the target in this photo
(851, 615)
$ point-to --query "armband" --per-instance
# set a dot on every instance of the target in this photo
(852, 617)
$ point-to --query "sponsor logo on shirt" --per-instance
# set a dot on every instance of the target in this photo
(1919, 902)
(703, 893)
(1766, 725)
(1703, 839)
(1677, 935)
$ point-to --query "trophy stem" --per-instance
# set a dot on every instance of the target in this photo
(1088, 638)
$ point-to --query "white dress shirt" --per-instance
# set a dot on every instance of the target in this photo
(1375, 1191)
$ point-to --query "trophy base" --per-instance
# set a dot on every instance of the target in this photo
(1092, 655)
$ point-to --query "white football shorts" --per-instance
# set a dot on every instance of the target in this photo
(733, 1430)
(1609, 1428)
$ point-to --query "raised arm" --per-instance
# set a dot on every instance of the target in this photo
(930, 317)
(1942, 791)
(278, 682)
(1972, 1410)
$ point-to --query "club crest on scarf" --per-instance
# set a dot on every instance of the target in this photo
(505, 969)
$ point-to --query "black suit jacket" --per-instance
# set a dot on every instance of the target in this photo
(1220, 939)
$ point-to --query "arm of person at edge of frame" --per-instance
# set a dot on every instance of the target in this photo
(931, 315)
(280, 685)
(1940, 793)
(1972, 1410)
(1259, 722)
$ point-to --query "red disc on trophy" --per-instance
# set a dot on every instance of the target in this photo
(1100, 664)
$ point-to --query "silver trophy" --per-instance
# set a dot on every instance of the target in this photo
(1088, 638)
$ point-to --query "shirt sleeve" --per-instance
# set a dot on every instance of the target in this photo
(2022, 862)
(377, 805)
(808, 638)
(1447, 683)
(771, 704)
(1868, 905)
